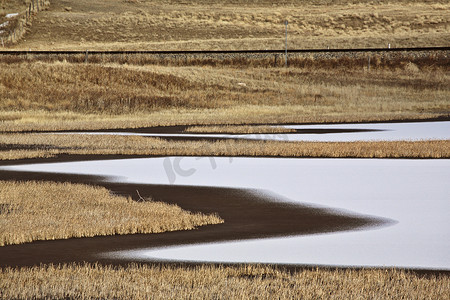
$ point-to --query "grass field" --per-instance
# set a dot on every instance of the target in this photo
(210, 282)
(208, 24)
(54, 95)
(31, 211)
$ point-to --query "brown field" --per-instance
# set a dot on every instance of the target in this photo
(31, 211)
(215, 282)
(21, 146)
(235, 24)
(54, 95)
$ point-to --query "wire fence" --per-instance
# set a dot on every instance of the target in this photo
(14, 28)
(219, 52)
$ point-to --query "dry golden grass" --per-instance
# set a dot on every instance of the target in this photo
(48, 145)
(130, 93)
(31, 211)
(210, 282)
(238, 129)
(163, 25)
(39, 120)
(38, 95)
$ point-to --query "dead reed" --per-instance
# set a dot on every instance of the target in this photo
(238, 129)
(19, 146)
(31, 211)
(205, 282)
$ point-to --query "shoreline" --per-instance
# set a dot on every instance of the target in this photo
(246, 216)
(181, 128)
(275, 220)
(78, 250)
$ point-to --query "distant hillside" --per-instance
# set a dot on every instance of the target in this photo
(239, 24)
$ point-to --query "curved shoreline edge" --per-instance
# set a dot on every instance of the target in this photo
(246, 215)
(180, 128)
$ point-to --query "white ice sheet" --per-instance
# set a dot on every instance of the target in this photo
(386, 132)
(415, 193)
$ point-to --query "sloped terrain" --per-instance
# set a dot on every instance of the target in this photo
(183, 25)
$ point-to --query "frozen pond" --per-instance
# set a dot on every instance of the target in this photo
(414, 193)
(371, 132)
(384, 132)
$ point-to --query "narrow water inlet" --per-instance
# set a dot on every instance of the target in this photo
(321, 133)
(415, 193)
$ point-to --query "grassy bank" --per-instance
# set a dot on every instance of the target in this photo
(40, 120)
(206, 282)
(31, 211)
(19, 146)
(238, 129)
(37, 95)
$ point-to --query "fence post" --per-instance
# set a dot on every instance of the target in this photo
(87, 57)
(368, 67)
(286, 60)
(29, 10)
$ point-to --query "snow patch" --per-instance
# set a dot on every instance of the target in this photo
(9, 16)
